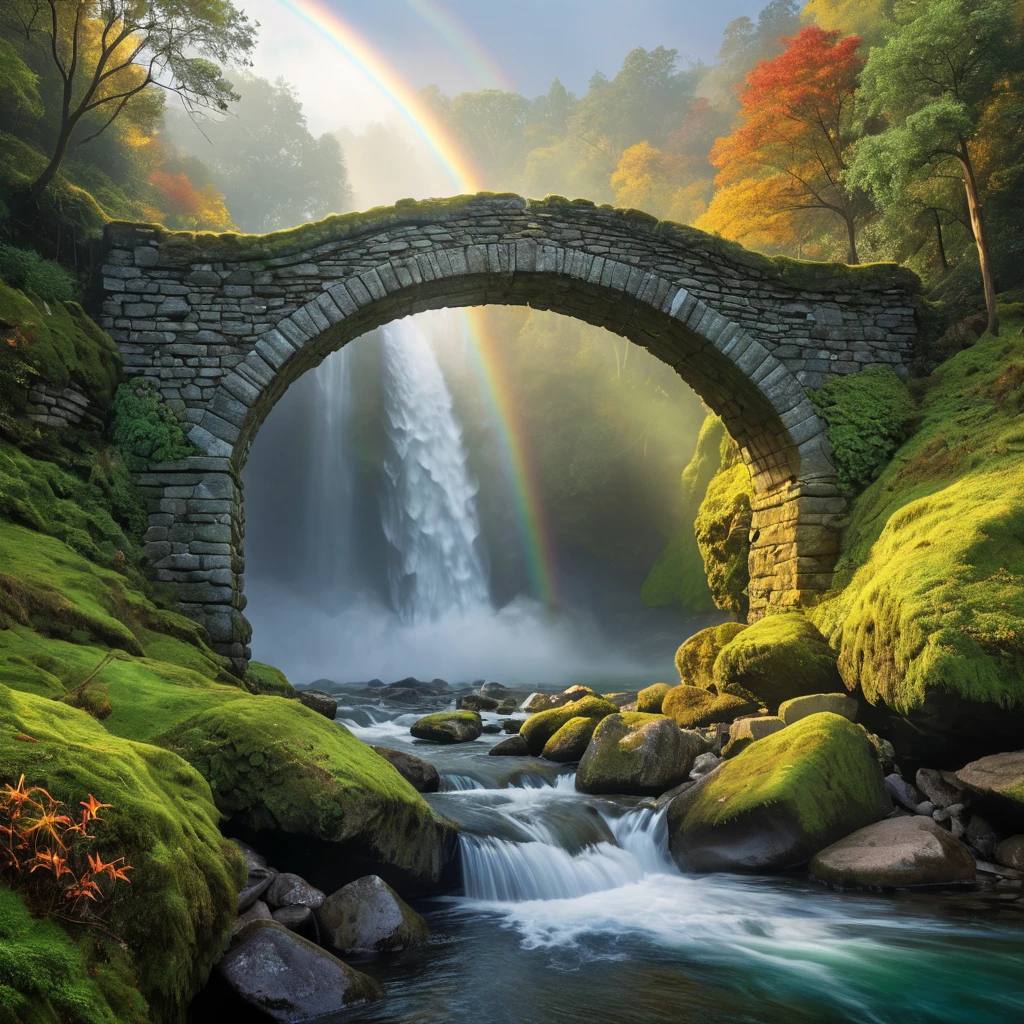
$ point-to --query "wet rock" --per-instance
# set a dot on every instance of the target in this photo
(543, 702)
(367, 915)
(256, 884)
(299, 919)
(1010, 853)
(902, 792)
(745, 731)
(491, 727)
(512, 725)
(474, 702)
(320, 702)
(693, 707)
(649, 699)
(420, 774)
(925, 807)
(638, 754)
(937, 788)
(539, 728)
(253, 858)
(982, 837)
(514, 746)
(997, 784)
(449, 727)
(259, 911)
(289, 978)
(703, 764)
(506, 707)
(780, 801)
(570, 742)
(793, 710)
(288, 890)
(495, 690)
(895, 853)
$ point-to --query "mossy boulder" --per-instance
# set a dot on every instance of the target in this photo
(779, 657)
(695, 659)
(269, 681)
(368, 916)
(286, 776)
(570, 742)
(649, 699)
(176, 915)
(638, 754)
(694, 708)
(539, 728)
(780, 801)
(448, 727)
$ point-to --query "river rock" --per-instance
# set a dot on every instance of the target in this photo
(420, 774)
(903, 793)
(506, 707)
(704, 763)
(895, 853)
(448, 727)
(649, 699)
(578, 692)
(539, 728)
(692, 707)
(745, 731)
(259, 911)
(298, 919)
(256, 884)
(495, 690)
(793, 710)
(695, 659)
(941, 788)
(980, 835)
(1010, 853)
(320, 702)
(474, 702)
(543, 702)
(622, 698)
(570, 742)
(637, 754)
(367, 915)
(514, 746)
(288, 890)
(289, 978)
(997, 784)
(512, 726)
(780, 801)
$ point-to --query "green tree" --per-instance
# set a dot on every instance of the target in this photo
(931, 82)
(106, 52)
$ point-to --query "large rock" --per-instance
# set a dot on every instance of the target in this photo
(514, 746)
(420, 774)
(997, 784)
(539, 728)
(793, 710)
(1010, 853)
(449, 727)
(474, 702)
(543, 702)
(781, 800)
(320, 702)
(649, 699)
(695, 659)
(894, 854)
(368, 916)
(495, 690)
(288, 890)
(637, 754)
(570, 742)
(289, 978)
(694, 708)
(745, 731)
(777, 658)
(943, 789)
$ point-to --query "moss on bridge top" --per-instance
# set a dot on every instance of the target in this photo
(180, 248)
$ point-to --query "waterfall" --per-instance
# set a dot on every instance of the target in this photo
(330, 501)
(428, 508)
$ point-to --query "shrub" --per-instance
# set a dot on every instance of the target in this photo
(144, 428)
(25, 269)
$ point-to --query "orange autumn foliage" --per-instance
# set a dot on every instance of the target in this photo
(189, 207)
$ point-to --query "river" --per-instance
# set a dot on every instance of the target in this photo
(571, 912)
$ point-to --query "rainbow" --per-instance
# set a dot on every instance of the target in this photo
(534, 528)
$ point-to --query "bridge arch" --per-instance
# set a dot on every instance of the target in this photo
(224, 324)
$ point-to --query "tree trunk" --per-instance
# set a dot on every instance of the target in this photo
(941, 243)
(38, 187)
(851, 256)
(981, 238)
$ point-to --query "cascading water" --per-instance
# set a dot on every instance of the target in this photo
(428, 510)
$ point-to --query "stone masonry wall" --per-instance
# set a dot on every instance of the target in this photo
(58, 407)
(222, 324)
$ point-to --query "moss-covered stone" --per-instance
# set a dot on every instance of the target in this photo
(569, 743)
(176, 914)
(745, 731)
(691, 707)
(781, 800)
(637, 754)
(649, 699)
(695, 659)
(539, 728)
(777, 658)
(448, 727)
(145, 429)
(275, 765)
(791, 711)
(268, 680)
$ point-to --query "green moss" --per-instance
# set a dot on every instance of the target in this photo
(23, 268)
(570, 741)
(821, 771)
(539, 728)
(779, 657)
(144, 427)
(929, 588)
(695, 659)
(268, 680)
(64, 346)
(46, 977)
(650, 698)
(274, 764)
(723, 535)
(693, 708)
(175, 914)
(865, 415)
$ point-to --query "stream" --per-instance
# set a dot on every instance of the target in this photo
(571, 911)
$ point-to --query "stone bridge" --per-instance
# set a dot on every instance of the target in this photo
(222, 324)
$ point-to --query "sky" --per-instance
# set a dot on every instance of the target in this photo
(471, 44)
